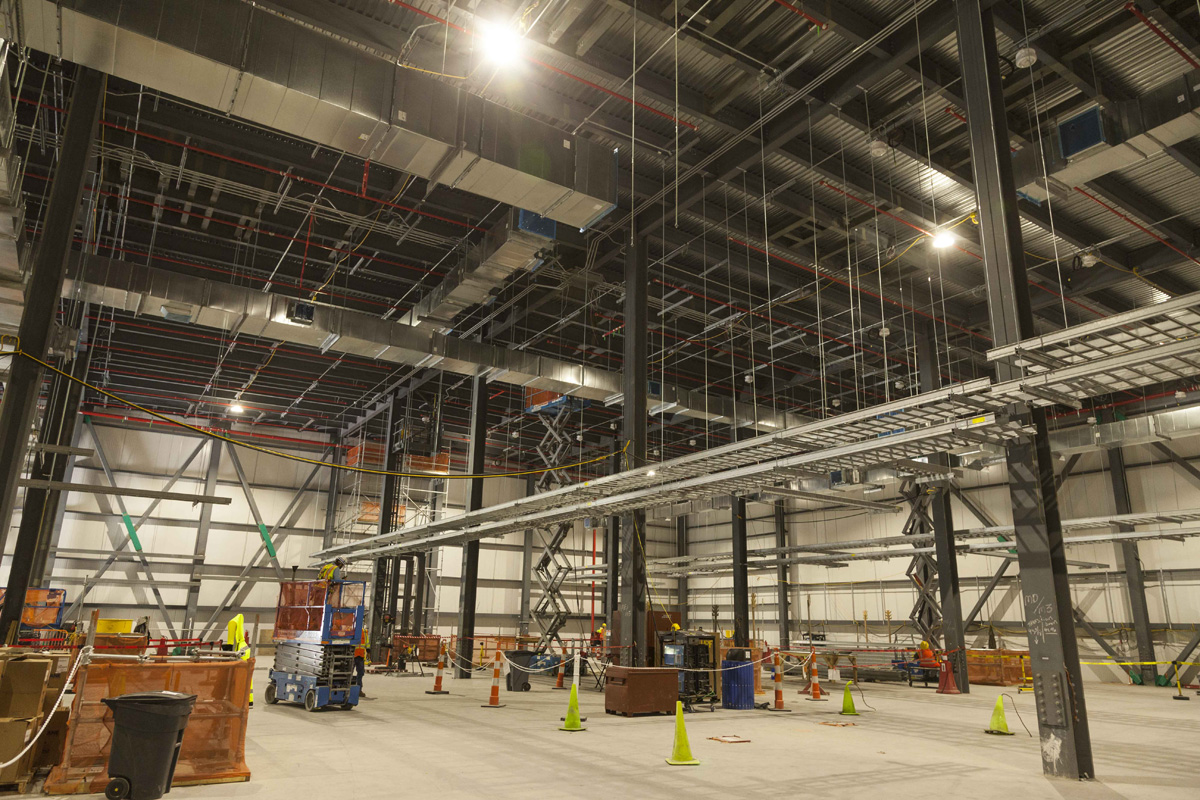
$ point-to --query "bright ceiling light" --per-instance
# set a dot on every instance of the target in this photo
(236, 408)
(943, 239)
(651, 473)
(1026, 57)
(501, 45)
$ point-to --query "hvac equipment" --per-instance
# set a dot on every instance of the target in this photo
(693, 653)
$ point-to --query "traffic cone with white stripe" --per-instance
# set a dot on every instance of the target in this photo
(815, 692)
(437, 679)
(778, 680)
(562, 669)
(494, 698)
(946, 682)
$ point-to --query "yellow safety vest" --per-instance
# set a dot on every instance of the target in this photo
(326, 572)
(361, 650)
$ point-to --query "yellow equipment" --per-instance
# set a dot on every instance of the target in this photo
(237, 640)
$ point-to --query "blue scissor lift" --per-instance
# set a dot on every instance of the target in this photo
(318, 624)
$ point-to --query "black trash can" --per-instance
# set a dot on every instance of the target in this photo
(517, 679)
(147, 731)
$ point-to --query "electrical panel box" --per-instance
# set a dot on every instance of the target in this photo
(1081, 132)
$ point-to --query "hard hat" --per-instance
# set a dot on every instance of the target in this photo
(339, 561)
(924, 645)
(602, 626)
(674, 626)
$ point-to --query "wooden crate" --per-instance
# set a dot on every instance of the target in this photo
(996, 667)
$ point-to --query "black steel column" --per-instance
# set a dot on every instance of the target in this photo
(407, 597)
(1135, 582)
(525, 616)
(783, 599)
(953, 640)
(469, 580)
(612, 553)
(331, 493)
(418, 612)
(58, 430)
(384, 579)
(741, 575)
(37, 322)
(1066, 746)
(635, 380)
(681, 586)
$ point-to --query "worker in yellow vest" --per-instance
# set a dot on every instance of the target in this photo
(332, 571)
(360, 660)
(237, 642)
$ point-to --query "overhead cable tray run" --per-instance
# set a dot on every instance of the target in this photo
(1125, 352)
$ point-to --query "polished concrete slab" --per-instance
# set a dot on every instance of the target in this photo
(405, 743)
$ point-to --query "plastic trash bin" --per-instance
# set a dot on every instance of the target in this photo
(517, 679)
(147, 731)
(737, 685)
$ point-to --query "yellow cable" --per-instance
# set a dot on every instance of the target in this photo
(354, 249)
(289, 456)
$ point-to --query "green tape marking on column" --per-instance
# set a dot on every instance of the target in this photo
(266, 537)
(133, 537)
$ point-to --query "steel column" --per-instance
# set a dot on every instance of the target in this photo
(741, 575)
(783, 594)
(612, 553)
(469, 580)
(211, 475)
(635, 380)
(1135, 582)
(406, 609)
(331, 494)
(419, 589)
(526, 568)
(681, 586)
(942, 518)
(386, 570)
(37, 322)
(1066, 747)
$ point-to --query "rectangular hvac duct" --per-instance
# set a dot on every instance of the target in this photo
(236, 59)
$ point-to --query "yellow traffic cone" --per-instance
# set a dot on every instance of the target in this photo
(848, 703)
(572, 719)
(681, 752)
(999, 726)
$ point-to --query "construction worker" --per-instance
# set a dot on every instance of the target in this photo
(598, 638)
(238, 643)
(925, 656)
(360, 661)
(332, 571)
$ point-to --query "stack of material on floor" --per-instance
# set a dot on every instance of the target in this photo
(23, 705)
(214, 744)
(424, 648)
(996, 667)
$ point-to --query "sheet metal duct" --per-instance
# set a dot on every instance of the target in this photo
(506, 250)
(1133, 131)
(237, 59)
(156, 293)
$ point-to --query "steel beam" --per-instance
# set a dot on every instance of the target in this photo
(1135, 581)
(681, 583)
(469, 578)
(635, 379)
(987, 592)
(37, 323)
(211, 475)
(331, 494)
(420, 586)
(263, 533)
(1058, 685)
(386, 570)
(124, 491)
(783, 595)
(612, 553)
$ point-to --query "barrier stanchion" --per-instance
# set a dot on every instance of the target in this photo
(778, 680)
(437, 680)
(494, 698)
(815, 692)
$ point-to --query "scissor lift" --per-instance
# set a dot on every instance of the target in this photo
(317, 626)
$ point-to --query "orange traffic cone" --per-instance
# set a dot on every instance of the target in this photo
(778, 685)
(946, 683)
(562, 668)
(437, 679)
(815, 692)
(812, 657)
(494, 698)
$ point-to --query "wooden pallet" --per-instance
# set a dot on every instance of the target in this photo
(17, 787)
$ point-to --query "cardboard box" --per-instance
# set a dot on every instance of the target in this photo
(22, 686)
(48, 752)
(14, 734)
(54, 687)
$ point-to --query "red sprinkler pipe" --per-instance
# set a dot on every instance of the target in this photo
(803, 13)
(1136, 224)
(1160, 33)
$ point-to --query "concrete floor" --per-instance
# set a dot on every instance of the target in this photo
(402, 742)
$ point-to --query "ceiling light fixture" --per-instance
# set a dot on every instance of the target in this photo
(1026, 58)
(943, 239)
(650, 472)
(501, 44)
(879, 148)
(236, 408)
